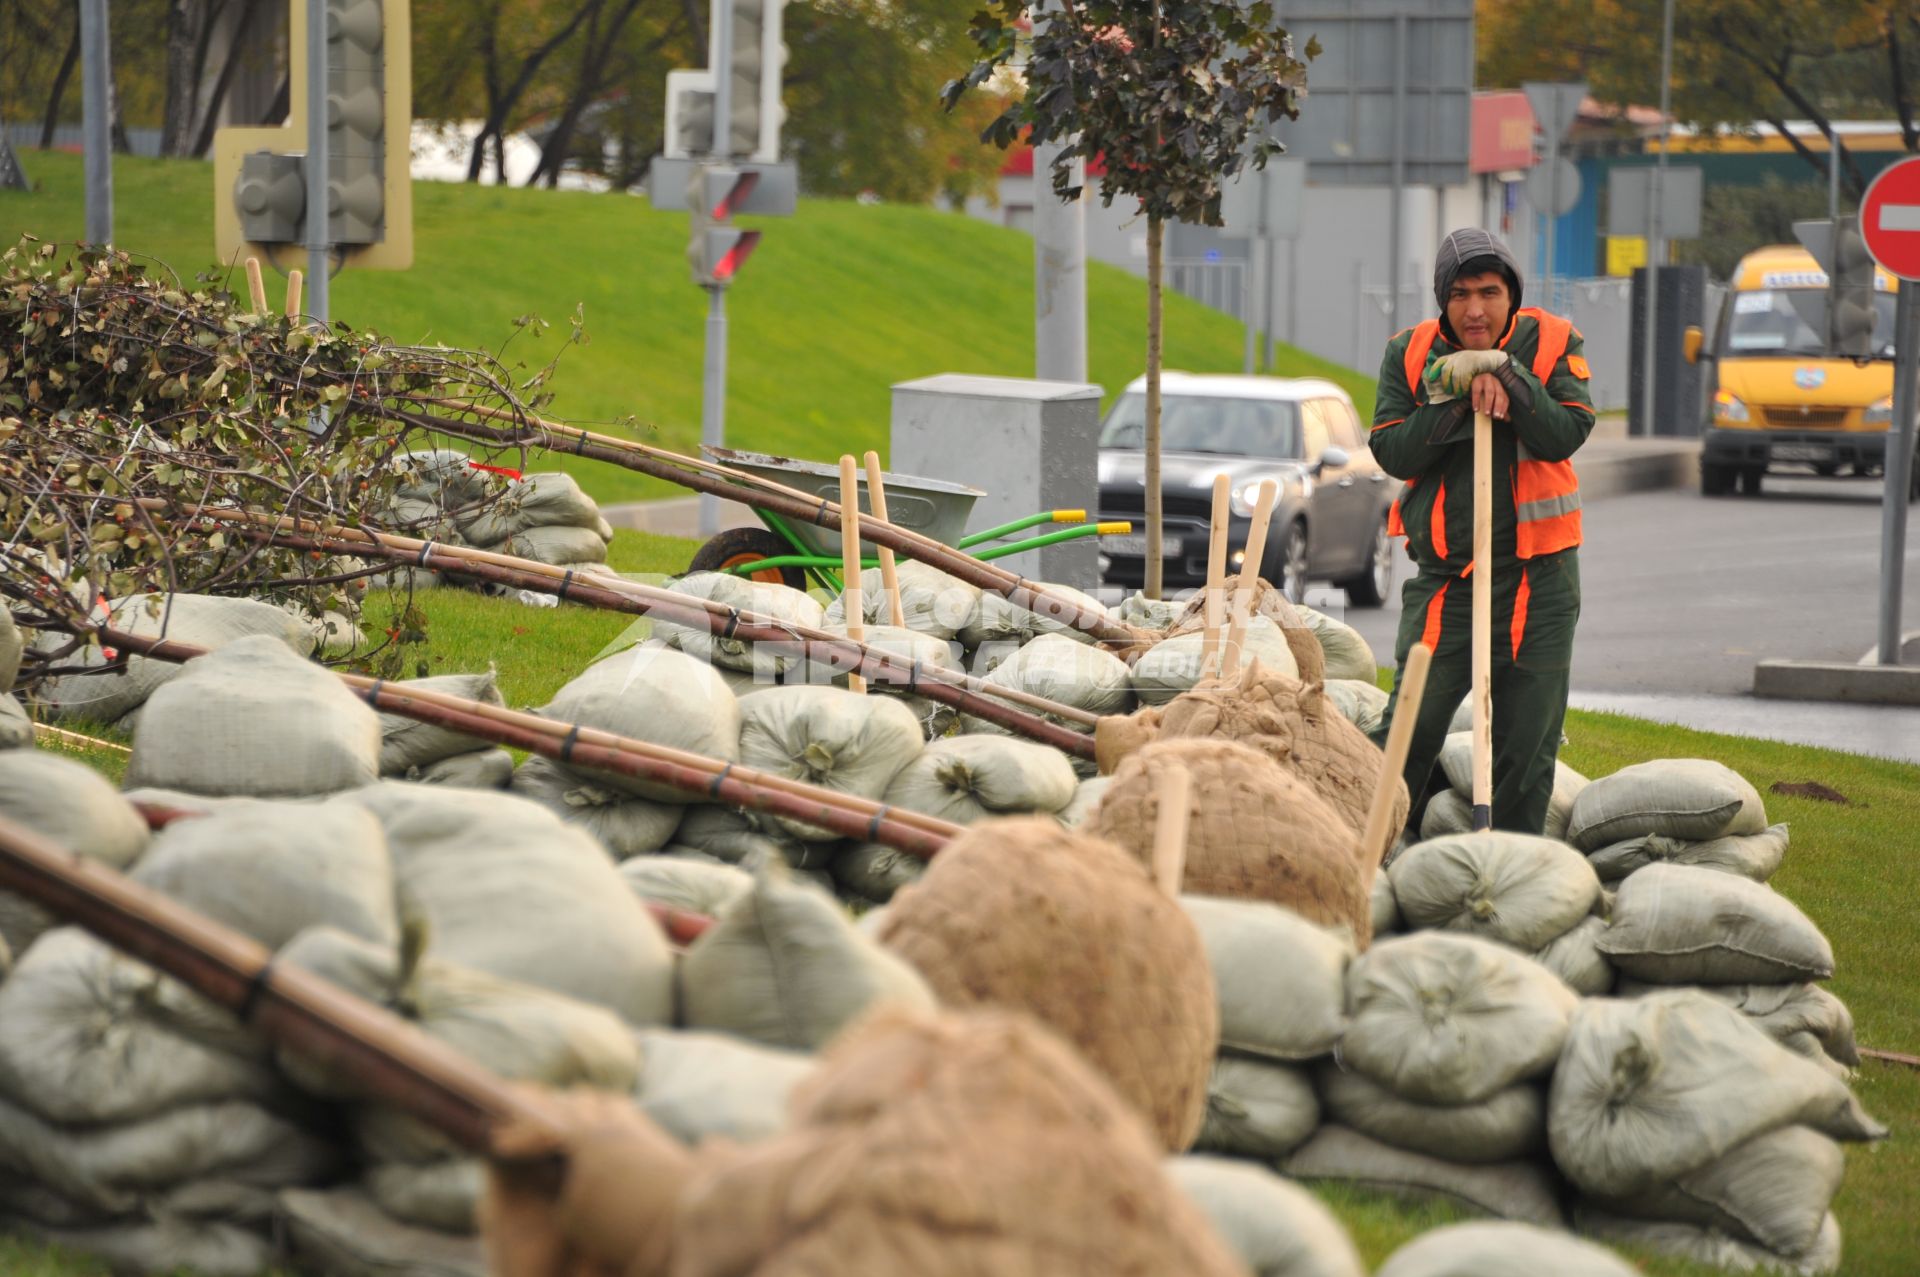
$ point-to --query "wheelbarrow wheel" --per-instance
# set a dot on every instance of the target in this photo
(737, 547)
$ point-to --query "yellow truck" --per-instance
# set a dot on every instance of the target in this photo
(1778, 402)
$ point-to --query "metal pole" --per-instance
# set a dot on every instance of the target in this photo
(1656, 232)
(97, 73)
(1059, 273)
(1833, 174)
(1394, 232)
(713, 397)
(1553, 198)
(1899, 467)
(319, 180)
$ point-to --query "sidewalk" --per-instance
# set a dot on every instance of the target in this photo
(1883, 731)
(1609, 464)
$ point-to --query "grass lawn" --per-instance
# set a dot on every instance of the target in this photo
(839, 302)
(1849, 868)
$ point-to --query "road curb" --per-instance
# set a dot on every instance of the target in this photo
(1835, 681)
(1611, 470)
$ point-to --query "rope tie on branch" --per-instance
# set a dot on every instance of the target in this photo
(426, 550)
(567, 743)
(873, 825)
(258, 987)
(733, 623)
(713, 789)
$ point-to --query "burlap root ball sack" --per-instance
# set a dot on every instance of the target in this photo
(974, 1142)
(1254, 831)
(1267, 602)
(1021, 913)
(1298, 726)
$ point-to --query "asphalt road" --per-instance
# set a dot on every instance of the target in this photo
(1683, 594)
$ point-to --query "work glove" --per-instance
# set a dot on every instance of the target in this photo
(1449, 376)
(608, 1213)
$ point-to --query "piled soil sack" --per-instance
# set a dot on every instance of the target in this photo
(970, 1143)
(873, 872)
(700, 1086)
(545, 517)
(1711, 1246)
(1363, 703)
(407, 743)
(481, 769)
(999, 624)
(695, 883)
(16, 725)
(202, 619)
(253, 718)
(655, 695)
(340, 1231)
(1247, 941)
(1754, 856)
(1448, 1019)
(1175, 664)
(271, 870)
(1255, 831)
(1025, 915)
(1804, 1018)
(784, 966)
(1675, 924)
(76, 807)
(936, 718)
(736, 837)
(1278, 1229)
(931, 602)
(1527, 1191)
(125, 1139)
(1517, 889)
(12, 647)
(1086, 796)
(1509, 1125)
(1309, 657)
(778, 603)
(1502, 1250)
(466, 861)
(839, 740)
(1348, 655)
(969, 778)
(1060, 669)
(1257, 1109)
(517, 1031)
(1456, 760)
(621, 823)
(1687, 798)
(1291, 722)
(1652, 1089)
(1576, 958)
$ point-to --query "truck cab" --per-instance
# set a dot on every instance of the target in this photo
(1779, 403)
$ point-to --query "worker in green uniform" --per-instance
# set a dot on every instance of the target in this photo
(1525, 369)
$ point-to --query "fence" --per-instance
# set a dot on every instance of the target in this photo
(71, 137)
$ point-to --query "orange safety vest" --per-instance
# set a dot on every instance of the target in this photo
(1546, 494)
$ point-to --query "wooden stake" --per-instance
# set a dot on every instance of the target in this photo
(1175, 791)
(889, 576)
(1482, 692)
(1215, 600)
(45, 732)
(1406, 708)
(256, 287)
(850, 600)
(1249, 576)
(294, 280)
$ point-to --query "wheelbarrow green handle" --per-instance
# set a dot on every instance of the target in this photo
(1021, 525)
(1053, 538)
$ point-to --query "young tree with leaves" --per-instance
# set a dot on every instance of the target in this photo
(1171, 93)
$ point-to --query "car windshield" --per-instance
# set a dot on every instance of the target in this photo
(1205, 423)
(1789, 321)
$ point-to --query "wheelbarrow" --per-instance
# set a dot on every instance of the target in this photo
(783, 552)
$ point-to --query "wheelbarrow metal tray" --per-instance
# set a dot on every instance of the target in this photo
(932, 507)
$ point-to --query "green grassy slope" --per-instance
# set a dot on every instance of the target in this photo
(840, 302)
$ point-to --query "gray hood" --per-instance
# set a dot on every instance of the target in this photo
(1462, 247)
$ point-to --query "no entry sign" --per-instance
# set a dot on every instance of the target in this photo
(1890, 219)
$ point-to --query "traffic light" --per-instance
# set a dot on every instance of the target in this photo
(718, 248)
(261, 195)
(759, 57)
(1850, 309)
(689, 133)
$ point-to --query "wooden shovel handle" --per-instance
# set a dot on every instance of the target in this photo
(1413, 686)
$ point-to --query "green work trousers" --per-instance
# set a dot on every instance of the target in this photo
(1536, 603)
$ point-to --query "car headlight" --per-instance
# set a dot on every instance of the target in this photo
(1881, 414)
(1728, 406)
(1244, 498)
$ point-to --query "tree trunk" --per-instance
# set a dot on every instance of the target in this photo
(67, 63)
(210, 122)
(183, 90)
(1156, 231)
